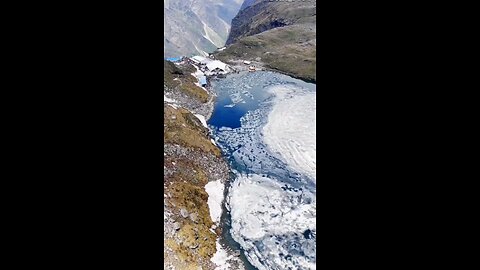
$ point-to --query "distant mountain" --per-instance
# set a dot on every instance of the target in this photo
(197, 26)
(281, 35)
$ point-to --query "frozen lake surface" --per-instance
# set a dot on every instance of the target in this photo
(265, 124)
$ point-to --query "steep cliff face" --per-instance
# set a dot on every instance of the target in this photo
(282, 35)
(261, 15)
(196, 27)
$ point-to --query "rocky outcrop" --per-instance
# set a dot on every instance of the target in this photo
(280, 35)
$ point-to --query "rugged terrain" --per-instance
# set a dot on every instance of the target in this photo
(278, 35)
(197, 26)
(191, 161)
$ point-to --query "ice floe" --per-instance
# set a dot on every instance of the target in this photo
(291, 129)
(274, 224)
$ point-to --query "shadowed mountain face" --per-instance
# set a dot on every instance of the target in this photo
(197, 26)
(282, 35)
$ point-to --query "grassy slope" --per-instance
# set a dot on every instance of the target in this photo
(183, 128)
(290, 48)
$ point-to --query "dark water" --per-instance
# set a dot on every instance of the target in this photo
(234, 101)
(226, 116)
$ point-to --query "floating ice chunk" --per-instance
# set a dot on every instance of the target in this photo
(236, 97)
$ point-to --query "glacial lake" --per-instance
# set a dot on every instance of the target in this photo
(241, 109)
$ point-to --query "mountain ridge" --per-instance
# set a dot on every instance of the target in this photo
(193, 27)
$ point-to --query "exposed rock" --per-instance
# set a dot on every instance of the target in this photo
(194, 217)
(184, 213)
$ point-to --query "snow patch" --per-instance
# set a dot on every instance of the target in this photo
(215, 199)
(202, 119)
(166, 99)
(220, 258)
(197, 74)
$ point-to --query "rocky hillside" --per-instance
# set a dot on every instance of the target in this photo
(191, 160)
(280, 35)
(196, 26)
